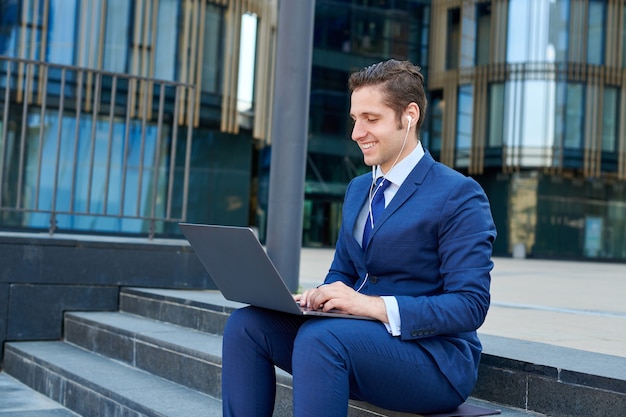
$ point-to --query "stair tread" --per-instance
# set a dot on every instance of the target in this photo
(139, 389)
(116, 380)
(165, 334)
(17, 399)
(211, 299)
(164, 331)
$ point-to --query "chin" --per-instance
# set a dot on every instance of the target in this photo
(369, 161)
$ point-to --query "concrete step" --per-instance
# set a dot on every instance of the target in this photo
(179, 354)
(182, 355)
(171, 339)
(141, 343)
(525, 375)
(205, 311)
(94, 386)
(170, 351)
(18, 400)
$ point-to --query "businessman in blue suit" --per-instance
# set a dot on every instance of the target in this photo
(422, 273)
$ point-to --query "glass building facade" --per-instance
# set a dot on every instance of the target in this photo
(526, 96)
(73, 158)
(529, 100)
(349, 35)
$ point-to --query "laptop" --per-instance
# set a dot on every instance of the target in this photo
(242, 271)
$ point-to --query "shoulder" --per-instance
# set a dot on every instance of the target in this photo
(449, 184)
(360, 182)
(432, 171)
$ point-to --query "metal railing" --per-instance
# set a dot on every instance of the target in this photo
(78, 142)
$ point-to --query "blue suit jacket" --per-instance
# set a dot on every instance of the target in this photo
(431, 249)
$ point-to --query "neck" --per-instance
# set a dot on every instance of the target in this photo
(405, 151)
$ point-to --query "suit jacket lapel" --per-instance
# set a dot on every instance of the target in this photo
(409, 187)
(355, 199)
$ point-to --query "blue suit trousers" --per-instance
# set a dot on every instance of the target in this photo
(331, 360)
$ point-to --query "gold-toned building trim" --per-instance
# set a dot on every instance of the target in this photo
(265, 70)
(479, 128)
(621, 148)
(266, 12)
(231, 67)
(450, 97)
(199, 62)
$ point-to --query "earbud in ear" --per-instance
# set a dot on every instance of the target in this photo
(410, 119)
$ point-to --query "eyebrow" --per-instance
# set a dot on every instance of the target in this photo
(366, 114)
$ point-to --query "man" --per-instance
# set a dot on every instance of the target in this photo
(423, 277)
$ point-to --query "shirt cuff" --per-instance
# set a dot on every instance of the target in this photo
(393, 315)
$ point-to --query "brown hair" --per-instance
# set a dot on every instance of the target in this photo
(400, 81)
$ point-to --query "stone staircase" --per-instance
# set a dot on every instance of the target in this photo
(159, 355)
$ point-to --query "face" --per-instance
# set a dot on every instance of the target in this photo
(377, 131)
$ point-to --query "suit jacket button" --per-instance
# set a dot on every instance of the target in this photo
(373, 279)
(414, 333)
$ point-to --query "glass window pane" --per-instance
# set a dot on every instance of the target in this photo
(623, 39)
(573, 119)
(332, 27)
(530, 108)
(537, 30)
(61, 35)
(437, 106)
(559, 113)
(468, 37)
(247, 54)
(115, 38)
(558, 31)
(538, 113)
(465, 115)
(517, 31)
(595, 35)
(483, 33)
(454, 39)
(496, 114)
(609, 119)
(212, 55)
(166, 40)
(88, 28)
(8, 27)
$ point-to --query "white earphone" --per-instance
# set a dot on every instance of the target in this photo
(410, 119)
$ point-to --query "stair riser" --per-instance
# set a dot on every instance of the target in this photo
(73, 395)
(201, 319)
(143, 354)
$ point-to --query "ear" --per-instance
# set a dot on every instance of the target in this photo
(412, 111)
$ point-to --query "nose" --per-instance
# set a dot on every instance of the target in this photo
(358, 131)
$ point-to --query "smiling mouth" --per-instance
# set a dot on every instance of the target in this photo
(368, 145)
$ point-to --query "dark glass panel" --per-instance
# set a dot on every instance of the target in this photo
(495, 116)
(574, 116)
(483, 33)
(464, 123)
(436, 108)
(454, 39)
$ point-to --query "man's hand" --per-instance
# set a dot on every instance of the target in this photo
(338, 296)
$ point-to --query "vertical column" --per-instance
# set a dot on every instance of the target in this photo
(289, 137)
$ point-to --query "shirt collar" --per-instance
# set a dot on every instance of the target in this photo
(403, 168)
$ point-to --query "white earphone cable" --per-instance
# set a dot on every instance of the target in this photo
(371, 195)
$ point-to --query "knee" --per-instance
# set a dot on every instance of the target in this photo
(240, 322)
(318, 339)
(260, 324)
